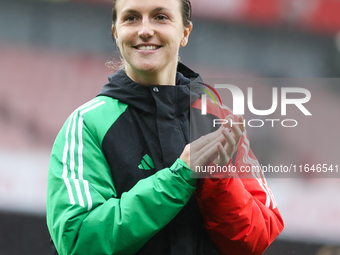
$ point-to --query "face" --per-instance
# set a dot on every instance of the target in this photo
(149, 34)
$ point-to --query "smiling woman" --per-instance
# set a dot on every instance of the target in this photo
(122, 174)
(149, 34)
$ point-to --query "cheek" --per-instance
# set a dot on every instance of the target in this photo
(124, 38)
(176, 41)
(179, 37)
(123, 47)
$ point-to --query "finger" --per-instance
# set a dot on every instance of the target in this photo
(240, 128)
(206, 139)
(240, 119)
(236, 130)
(218, 139)
(206, 156)
(228, 121)
(204, 149)
(185, 156)
(236, 127)
(231, 143)
(223, 156)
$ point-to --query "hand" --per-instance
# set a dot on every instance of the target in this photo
(233, 136)
(217, 147)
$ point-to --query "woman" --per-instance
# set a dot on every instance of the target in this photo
(120, 178)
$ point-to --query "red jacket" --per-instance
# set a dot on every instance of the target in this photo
(239, 210)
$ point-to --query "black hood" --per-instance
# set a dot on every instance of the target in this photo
(127, 91)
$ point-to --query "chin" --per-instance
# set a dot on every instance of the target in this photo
(150, 68)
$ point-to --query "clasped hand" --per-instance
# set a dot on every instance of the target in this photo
(217, 147)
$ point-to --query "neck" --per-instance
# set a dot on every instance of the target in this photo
(152, 78)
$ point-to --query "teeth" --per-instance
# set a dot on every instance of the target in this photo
(147, 47)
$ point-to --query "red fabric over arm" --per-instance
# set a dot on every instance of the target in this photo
(240, 213)
(236, 220)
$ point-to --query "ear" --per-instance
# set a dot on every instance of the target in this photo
(114, 33)
(186, 33)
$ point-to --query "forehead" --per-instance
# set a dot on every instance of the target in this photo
(146, 5)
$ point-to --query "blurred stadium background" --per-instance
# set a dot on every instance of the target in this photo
(52, 59)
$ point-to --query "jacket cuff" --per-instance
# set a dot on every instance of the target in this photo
(182, 169)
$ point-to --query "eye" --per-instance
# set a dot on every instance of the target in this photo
(161, 17)
(130, 18)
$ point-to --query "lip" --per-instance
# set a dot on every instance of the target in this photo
(146, 44)
(147, 52)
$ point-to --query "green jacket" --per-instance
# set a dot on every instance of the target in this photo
(115, 178)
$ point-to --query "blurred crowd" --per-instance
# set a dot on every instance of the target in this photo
(52, 59)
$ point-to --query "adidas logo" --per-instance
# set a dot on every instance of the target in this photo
(147, 163)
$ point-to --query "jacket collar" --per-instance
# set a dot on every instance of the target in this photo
(127, 91)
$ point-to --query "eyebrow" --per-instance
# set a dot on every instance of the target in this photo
(158, 9)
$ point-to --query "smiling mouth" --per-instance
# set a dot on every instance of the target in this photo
(149, 47)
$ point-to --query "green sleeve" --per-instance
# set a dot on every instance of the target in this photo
(84, 215)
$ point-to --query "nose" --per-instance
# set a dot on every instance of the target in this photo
(146, 29)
